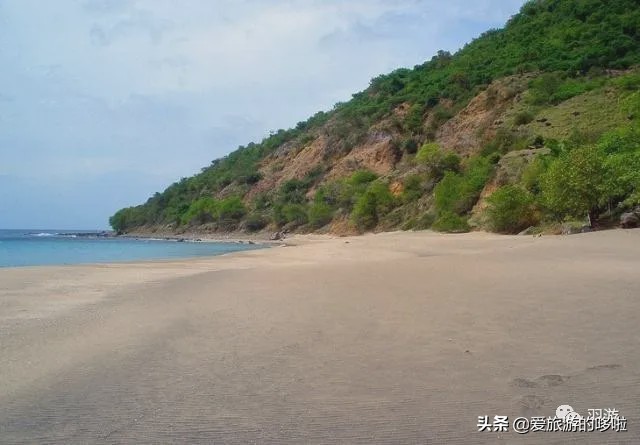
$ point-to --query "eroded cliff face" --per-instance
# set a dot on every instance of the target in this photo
(376, 153)
(477, 123)
(379, 151)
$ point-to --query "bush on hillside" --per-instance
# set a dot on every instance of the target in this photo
(576, 183)
(532, 174)
(362, 177)
(201, 211)
(523, 117)
(511, 209)
(320, 213)
(376, 202)
(291, 214)
(458, 192)
(413, 189)
(256, 222)
(410, 146)
(436, 160)
(231, 209)
(450, 222)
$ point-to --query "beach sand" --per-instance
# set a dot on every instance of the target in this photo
(389, 338)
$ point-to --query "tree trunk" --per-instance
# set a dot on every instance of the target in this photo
(592, 215)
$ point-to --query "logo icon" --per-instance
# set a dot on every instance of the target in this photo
(566, 413)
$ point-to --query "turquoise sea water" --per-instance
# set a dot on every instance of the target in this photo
(48, 247)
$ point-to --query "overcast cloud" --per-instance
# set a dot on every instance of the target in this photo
(103, 102)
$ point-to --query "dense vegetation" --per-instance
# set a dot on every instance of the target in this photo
(568, 48)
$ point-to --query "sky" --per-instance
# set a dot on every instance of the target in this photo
(104, 102)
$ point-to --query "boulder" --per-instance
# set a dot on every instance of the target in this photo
(630, 220)
(277, 236)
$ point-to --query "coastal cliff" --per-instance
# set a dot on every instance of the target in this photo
(529, 126)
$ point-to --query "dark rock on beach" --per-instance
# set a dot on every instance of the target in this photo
(630, 220)
(277, 236)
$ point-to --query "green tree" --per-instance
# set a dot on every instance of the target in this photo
(576, 183)
(458, 192)
(201, 211)
(230, 211)
(622, 150)
(511, 209)
(376, 202)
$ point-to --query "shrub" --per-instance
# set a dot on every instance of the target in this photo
(544, 87)
(292, 191)
(523, 117)
(231, 208)
(255, 222)
(414, 118)
(451, 223)
(295, 214)
(320, 214)
(575, 186)
(532, 174)
(412, 188)
(425, 221)
(448, 193)
(201, 211)
(343, 194)
(505, 141)
(511, 209)
(457, 193)
(622, 151)
(251, 178)
(410, 146)
(437, 160)
(376, 202)
(261, 201)
(361, 177)
(630, 82)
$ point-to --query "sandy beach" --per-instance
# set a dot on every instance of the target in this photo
(388, 338)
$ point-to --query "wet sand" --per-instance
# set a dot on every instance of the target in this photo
(391, 338)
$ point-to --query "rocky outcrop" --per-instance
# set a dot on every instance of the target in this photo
(469, 130)
(512, 165)
(630, 220)
(377, 153)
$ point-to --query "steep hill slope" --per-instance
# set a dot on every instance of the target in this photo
(420, 146)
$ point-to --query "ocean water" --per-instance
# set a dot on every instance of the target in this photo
(49, 247)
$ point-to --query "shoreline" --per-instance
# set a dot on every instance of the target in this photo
(352, 339)
(201, 237)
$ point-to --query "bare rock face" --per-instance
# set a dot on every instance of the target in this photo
(630, 220)
(468, 130)
(513, 164)
(377, 154)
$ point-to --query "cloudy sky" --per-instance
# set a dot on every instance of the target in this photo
(103, 102)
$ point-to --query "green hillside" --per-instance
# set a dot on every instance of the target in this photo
(431, 146)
